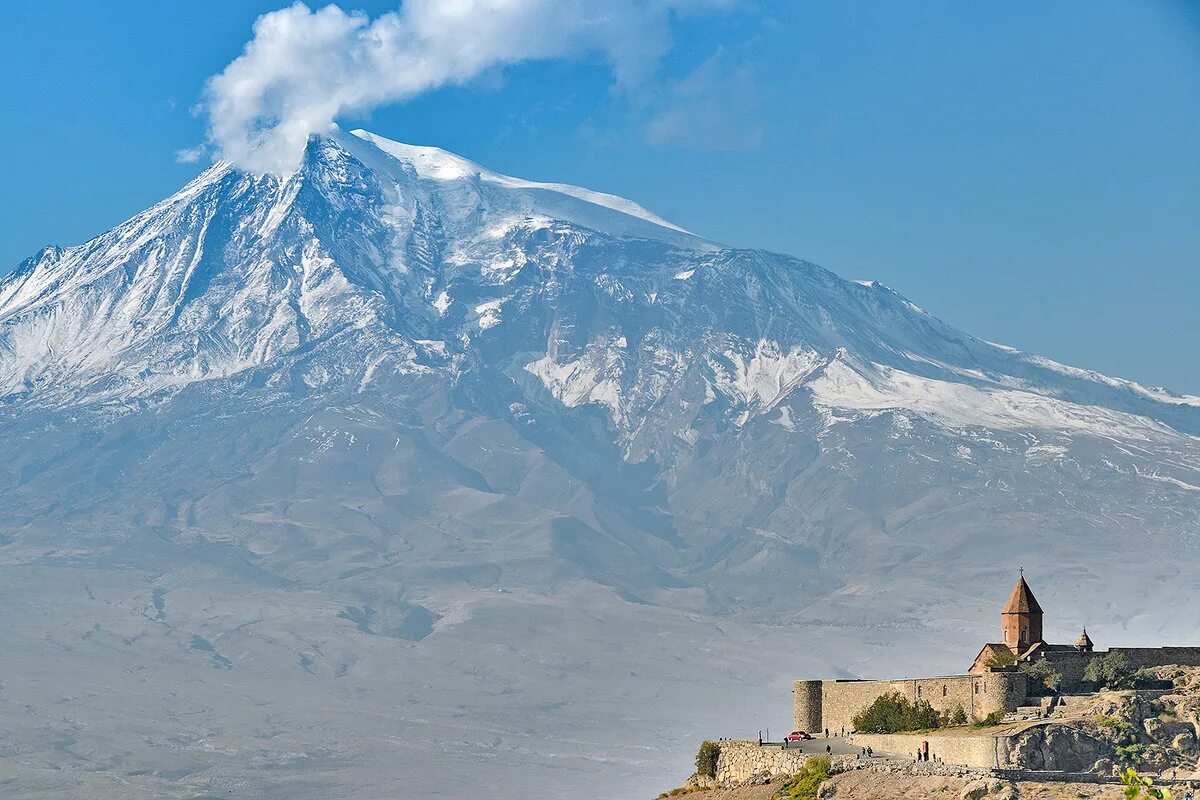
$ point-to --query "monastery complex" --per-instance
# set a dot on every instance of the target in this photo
(993, 684)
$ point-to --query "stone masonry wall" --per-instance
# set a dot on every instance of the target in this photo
(1072, 663)
(806, 706)
(975, 752)
(977, 695)
(1140, 657)
(743, 758)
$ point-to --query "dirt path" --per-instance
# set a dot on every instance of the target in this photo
(867, 785)
(864, 785)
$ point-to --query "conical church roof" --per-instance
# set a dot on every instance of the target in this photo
(1022, 601)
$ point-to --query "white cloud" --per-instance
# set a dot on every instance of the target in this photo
(303, 68)
(190, 155)
(716, 107)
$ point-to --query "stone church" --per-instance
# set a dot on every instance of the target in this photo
(993, 684)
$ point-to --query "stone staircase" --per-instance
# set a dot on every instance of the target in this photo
(1044, 708)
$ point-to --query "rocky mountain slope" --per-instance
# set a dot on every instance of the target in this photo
(1152, 731)
(399, 468)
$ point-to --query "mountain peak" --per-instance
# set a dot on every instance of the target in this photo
(436, 164)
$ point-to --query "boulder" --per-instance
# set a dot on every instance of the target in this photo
(1007, 792)
(1057, 747)
(1156, 757)
(759, 778)
(976, 790)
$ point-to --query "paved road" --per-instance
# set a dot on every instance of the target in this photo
(840, 746)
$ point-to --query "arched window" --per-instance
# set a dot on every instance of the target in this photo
(944, 691)
(918, 692)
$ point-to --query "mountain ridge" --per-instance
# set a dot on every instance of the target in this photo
(13, 302)
(400, 461)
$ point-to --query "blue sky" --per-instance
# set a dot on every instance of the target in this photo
(1029, 172)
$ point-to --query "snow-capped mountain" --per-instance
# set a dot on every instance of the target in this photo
(398, 452)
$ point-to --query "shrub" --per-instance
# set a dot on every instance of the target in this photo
(960, 717)
(994, 718)
(1043, 678)
(1137, 786)
(706, 759)
(804, 784)
(892, 712)
(1131, 752)
(1147, 678)
(1122, 728)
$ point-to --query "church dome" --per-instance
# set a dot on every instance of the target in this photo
(1022, 601)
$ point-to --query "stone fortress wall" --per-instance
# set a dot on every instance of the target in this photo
(832, 704)
(807, 705)
(1072, 663)
(818, 705)
(742, 759)
(974, 752)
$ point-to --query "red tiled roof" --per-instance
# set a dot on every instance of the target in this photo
(1022, 601)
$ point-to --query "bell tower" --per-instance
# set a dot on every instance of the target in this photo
(1021, 620)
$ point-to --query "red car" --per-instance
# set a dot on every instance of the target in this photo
(798, 736)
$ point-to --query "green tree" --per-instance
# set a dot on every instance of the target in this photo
(892, 712)
(706, 759)
(1004, 658)
(1043, 678)
(960, 717)
(1111, 671)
